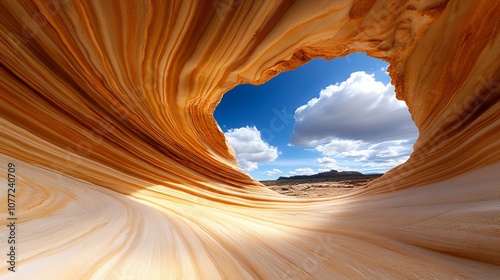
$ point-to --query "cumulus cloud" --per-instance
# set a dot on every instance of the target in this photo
(329, 163)
(339, 147)
(249, 147)
(272, 172)
(359, 108)
(302, 171)
(371, 157)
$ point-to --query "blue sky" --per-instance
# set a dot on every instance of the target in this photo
(340, 114)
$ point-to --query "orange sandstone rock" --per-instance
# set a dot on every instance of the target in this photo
(106, 111)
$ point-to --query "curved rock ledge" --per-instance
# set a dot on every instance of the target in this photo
(106, 111)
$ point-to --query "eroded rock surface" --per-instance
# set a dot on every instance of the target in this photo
(106, 112)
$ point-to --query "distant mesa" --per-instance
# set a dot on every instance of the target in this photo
(327, 174)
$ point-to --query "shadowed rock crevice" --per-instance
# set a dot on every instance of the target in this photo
(106, 107)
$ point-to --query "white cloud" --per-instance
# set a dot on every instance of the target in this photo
(371, 157)
(302, 171)
(272, 172)
(329, 163)
(249, 147)
(359, 108)
(247, 165)
(339, 146)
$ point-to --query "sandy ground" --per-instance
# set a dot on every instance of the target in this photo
(316, 189)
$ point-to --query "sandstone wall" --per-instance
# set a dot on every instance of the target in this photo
(106, 111)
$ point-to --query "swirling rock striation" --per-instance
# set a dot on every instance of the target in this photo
(106, 111)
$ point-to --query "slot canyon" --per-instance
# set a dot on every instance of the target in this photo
(121, 171)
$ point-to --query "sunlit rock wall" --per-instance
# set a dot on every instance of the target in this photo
(122, 172)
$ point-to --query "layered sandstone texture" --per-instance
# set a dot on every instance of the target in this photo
(106, 110)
